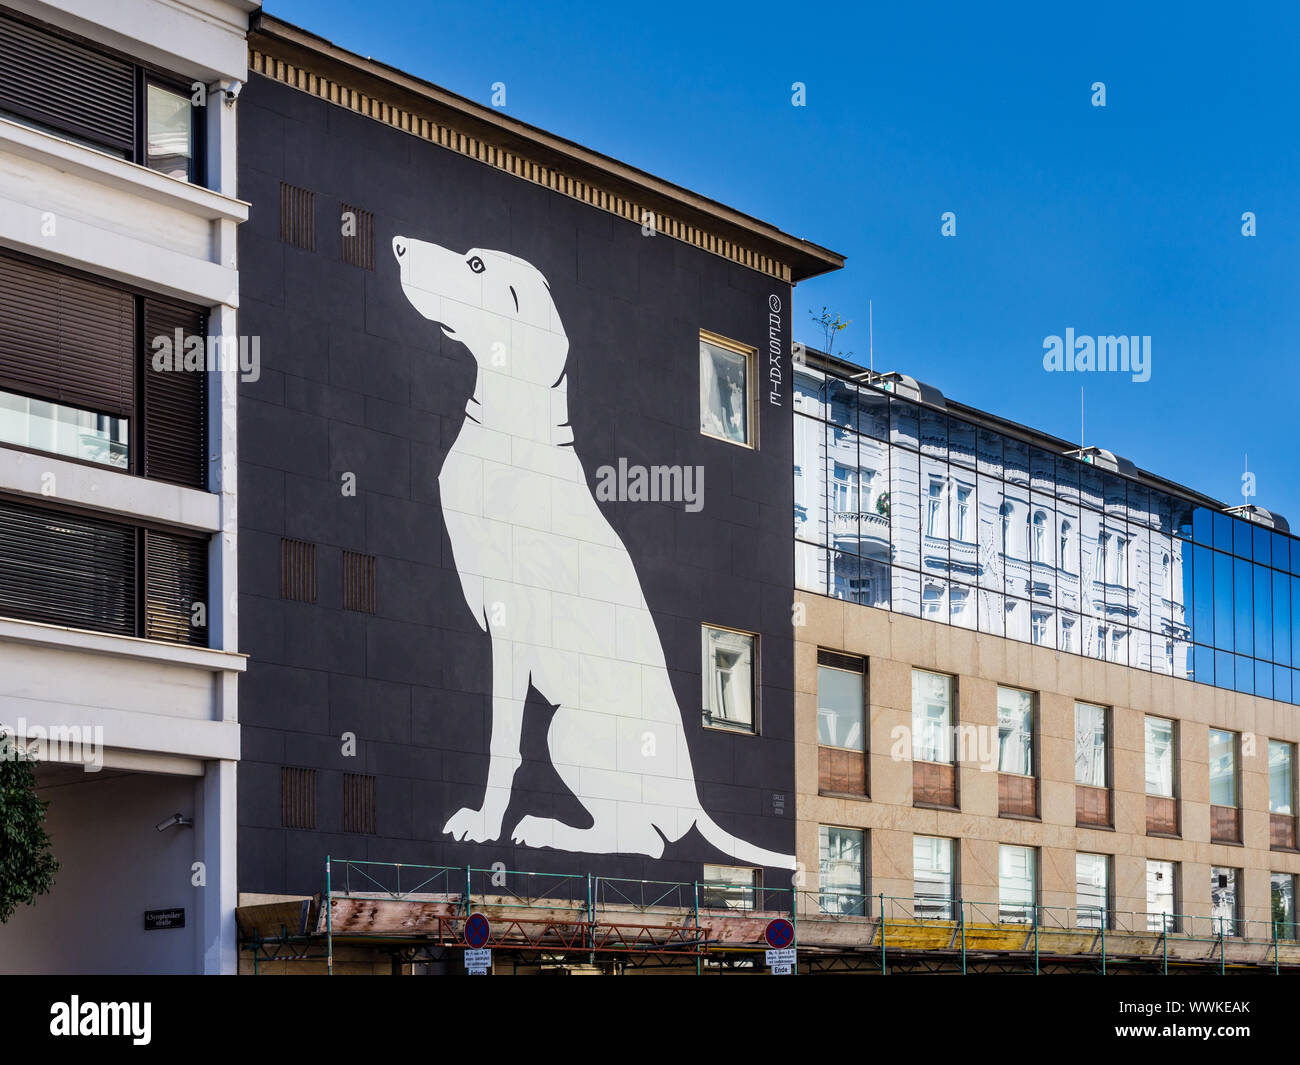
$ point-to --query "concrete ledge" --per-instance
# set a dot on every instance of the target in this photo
(108, 490)
(57, 636)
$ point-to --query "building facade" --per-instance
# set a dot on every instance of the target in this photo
(1035, 684)
(118, 527)
(515, 569)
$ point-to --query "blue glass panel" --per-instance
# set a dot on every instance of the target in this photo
(1244, 675)
(1263, 679)
(1295, 557)
(1244, 617)
(1042, 470)
(1281, 618)
(845, 576)
(1263, 545)
(934, 433)
(1015, 461)
(841, 403)
(1116, 491)
(1223, 669)
(875, 584)
(1263, 611)
(1067, 478)
(1090, 486)
(1241, 536)
(810, 568)
(1281, 553)
(988, 452)
(1295, 621)
(992, 612)
(902, 422)
(904, 509)
(1203, 526)
(1139, 504)
(1203, 663)
(1282, 683)
(1295, 685)
(809, 393)
(1162, 512)
(905, 591)
(873, 414)
(1223, 622)
(1223, 531)
(961, 442)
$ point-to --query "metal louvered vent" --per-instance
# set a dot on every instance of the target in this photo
(67, 86)
(358, 582)
(64, 569)
(297, 216)
(358, 228)
(175, 405)
(358, 803)
(176, 582)
(66, 338)
(298, 571)
(297, 797)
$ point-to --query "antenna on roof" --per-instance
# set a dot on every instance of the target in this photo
(871, 341)
(1083, 440)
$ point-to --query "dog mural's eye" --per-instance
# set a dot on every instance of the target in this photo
(477, 265)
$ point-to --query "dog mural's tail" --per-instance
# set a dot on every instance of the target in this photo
(738, 848)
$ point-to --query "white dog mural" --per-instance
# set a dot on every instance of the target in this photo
(549, 580)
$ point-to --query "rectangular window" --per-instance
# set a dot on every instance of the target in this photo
(1092, 890)
(729, 659)
(1223, 768)
(1090, 745)
(1015, 731)
(932, 717)
(840, 701)
(169, 139)
(1162, 896)
(59, 429)
(62, 568)
(932, 876)
(727, 887)
(1281, 777)
(66, 85)
(726, 389)
(1224, 899)
(1017, 884)
(1160, 756)
(842, 870)
(1282, 890)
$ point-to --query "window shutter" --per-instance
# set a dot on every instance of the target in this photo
(66, 339)
(60, 83)
(64, 569)
(176, 578)
(175, 405)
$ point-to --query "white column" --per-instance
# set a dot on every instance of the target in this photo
(217, 823)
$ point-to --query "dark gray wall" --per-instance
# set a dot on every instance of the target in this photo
(355, 380)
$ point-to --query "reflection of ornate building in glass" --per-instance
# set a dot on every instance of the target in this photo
(908, 502)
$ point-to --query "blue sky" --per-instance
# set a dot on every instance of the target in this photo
(1117, 220)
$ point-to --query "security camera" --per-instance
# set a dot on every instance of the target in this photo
(232, 92)
(175, 821)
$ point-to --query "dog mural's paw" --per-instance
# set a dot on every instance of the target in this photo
(469, 826)
(534, 832)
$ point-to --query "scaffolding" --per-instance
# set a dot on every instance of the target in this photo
(540, 921)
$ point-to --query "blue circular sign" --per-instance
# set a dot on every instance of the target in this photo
(477, 930)
(779, 933)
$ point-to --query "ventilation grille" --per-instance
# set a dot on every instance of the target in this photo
(298, 571)
(297, 797)
(65, 85)
(359, 244)
(66, 339)
(175, 400)
(358, 803)
(297, 216)
(358, 582)
(176, 579)
(851, 663)
(62, 569)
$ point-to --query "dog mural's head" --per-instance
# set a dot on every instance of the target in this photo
(497, 305)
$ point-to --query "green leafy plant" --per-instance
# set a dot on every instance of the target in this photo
(27, 867)
(831, 323)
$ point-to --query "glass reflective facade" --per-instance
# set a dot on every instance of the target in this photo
(907, 508)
